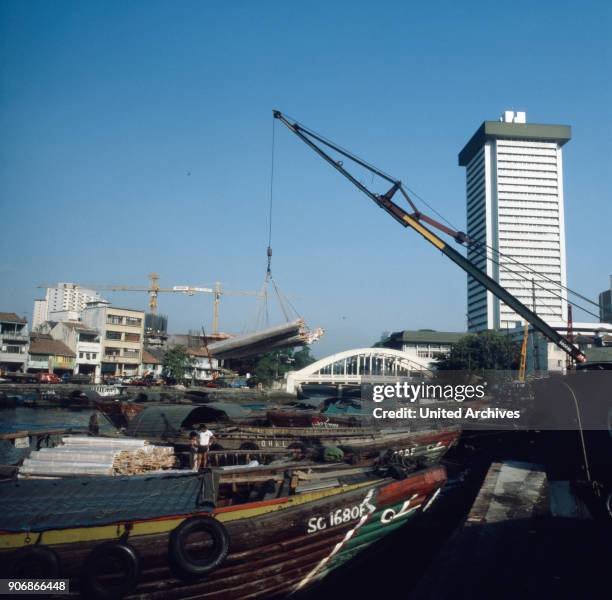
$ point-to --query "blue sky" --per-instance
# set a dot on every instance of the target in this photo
(136, 138)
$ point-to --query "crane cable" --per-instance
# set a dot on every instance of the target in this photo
(480, 246)
(523, 280)
(263, 317)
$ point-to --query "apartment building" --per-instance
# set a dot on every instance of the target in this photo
(121, 337)
(14, 342)
(62, 297)
(84, 341)
(203, 365)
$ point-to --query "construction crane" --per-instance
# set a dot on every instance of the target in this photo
(523, 363)
(154, 289)
(569, 364)
(415, 221)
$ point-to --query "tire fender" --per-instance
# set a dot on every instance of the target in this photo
(179, 553)
(118, 552)
(39, 562)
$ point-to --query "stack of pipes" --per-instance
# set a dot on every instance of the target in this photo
(81, 455)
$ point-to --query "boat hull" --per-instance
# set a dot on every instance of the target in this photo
(275, 547)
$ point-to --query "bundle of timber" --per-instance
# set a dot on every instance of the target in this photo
(81, 455)
(287, 335)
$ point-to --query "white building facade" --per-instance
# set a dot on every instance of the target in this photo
(203, 365)
(39, 314)
(514, 188)
(85, 343)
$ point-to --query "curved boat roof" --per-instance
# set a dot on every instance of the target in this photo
(161, 420)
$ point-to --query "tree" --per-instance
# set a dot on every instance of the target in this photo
(272, 366)
(177, 362)
(302, 358)
(489, 350)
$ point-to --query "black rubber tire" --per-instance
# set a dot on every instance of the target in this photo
(298, 446)
(91, 587)
(34, 562)
(178, 540)
(249, 446)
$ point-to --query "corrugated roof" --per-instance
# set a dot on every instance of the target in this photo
(79, 326)
(53, 347)
(11, 317)
(160, 420)
(426, 336)
(40, 504)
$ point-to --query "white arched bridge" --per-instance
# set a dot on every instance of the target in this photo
(351, 367)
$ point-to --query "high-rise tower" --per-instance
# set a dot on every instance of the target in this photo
(514, 186)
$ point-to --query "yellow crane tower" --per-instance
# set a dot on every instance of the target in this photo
(523, 363)
(154, 289)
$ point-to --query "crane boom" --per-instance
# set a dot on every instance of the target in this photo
(405, 219)
(153, 289)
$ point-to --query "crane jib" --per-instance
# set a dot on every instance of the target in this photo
(402, 217)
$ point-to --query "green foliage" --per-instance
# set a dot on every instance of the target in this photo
(302, 358)
(489, 350)
(273, 365)
(177, 362)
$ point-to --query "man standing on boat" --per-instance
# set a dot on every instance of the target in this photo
(205, 438)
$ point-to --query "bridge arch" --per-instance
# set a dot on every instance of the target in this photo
(351, 366)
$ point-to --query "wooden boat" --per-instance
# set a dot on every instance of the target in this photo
(415, 449)
(237, 429)
(306, 418)
(119, 412)
(182, 536)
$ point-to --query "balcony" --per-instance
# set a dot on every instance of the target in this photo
(15, 336)
(13, 357)
(118, 358)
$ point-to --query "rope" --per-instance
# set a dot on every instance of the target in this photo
(582, 442)
(280, 300)
(512, 259)
(271, 191)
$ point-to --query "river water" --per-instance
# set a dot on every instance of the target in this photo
(36, 419)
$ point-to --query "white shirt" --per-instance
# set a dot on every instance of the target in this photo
(205, 437)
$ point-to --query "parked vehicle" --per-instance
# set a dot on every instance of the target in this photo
(45, 377)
